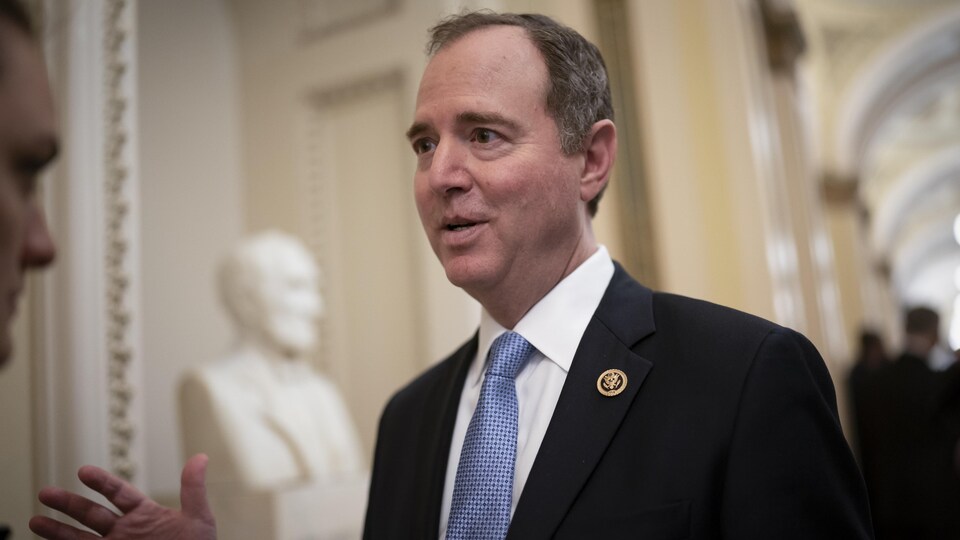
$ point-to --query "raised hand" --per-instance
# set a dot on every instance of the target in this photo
(141, 518)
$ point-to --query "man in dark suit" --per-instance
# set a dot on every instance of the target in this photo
(623, 412)
(640, 414)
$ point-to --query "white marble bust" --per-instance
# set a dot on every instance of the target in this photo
(267, 420)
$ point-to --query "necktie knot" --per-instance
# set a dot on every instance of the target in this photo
(508, 354)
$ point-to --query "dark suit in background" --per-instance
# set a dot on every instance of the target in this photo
(910, 431)
(727, 428)
(946, 423)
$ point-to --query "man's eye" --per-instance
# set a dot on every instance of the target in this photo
(485, 136)
(28, 172)
(422, 146)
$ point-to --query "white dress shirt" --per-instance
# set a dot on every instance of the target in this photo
(554, 326)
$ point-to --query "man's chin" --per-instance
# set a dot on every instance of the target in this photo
(466, 276)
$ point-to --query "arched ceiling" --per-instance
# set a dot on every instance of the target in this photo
(884, 76)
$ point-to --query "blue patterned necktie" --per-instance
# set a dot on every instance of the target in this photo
(483, 489)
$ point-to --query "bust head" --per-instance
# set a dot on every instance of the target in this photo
(268, 284)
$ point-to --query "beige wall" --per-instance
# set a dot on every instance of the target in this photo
(191, 201)
(707, 203)
(737, 209)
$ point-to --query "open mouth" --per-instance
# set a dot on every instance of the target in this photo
(460, 226)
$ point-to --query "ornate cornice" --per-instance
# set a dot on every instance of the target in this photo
(117, 206)
(356, 89)
(321, 18)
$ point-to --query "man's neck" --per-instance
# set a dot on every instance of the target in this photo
(508, 304)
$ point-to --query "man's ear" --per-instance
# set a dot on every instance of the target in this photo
(600, 151)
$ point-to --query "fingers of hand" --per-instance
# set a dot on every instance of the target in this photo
(193, 489)
(121, 493)
(93, 515)
(52, 529)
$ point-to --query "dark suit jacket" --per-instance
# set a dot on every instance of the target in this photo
(908, 453)
(727, 428)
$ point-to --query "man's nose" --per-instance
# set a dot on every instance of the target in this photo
(449, 168)
(38, 247)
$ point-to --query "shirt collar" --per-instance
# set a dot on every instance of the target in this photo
(555, 324)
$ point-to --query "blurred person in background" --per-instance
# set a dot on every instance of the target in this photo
(907, 463)
(860, 383)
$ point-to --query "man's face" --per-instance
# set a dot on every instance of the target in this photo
(28, 141)
(498, 199)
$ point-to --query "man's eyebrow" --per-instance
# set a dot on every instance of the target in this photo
(494, 119)
(416, 129)
(468, 117)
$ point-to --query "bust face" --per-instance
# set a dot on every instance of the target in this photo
(286, 299)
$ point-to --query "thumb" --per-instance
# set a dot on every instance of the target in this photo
(193, 489)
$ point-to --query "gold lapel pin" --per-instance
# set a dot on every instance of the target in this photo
(612, 382)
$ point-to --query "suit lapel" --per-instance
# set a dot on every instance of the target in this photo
(584, 421)
(438, 430)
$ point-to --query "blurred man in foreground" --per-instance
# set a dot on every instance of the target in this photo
(28, 142)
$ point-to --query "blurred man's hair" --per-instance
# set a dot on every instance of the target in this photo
(922, 320)
(14, 14)
(579, 91)
(869, 339)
